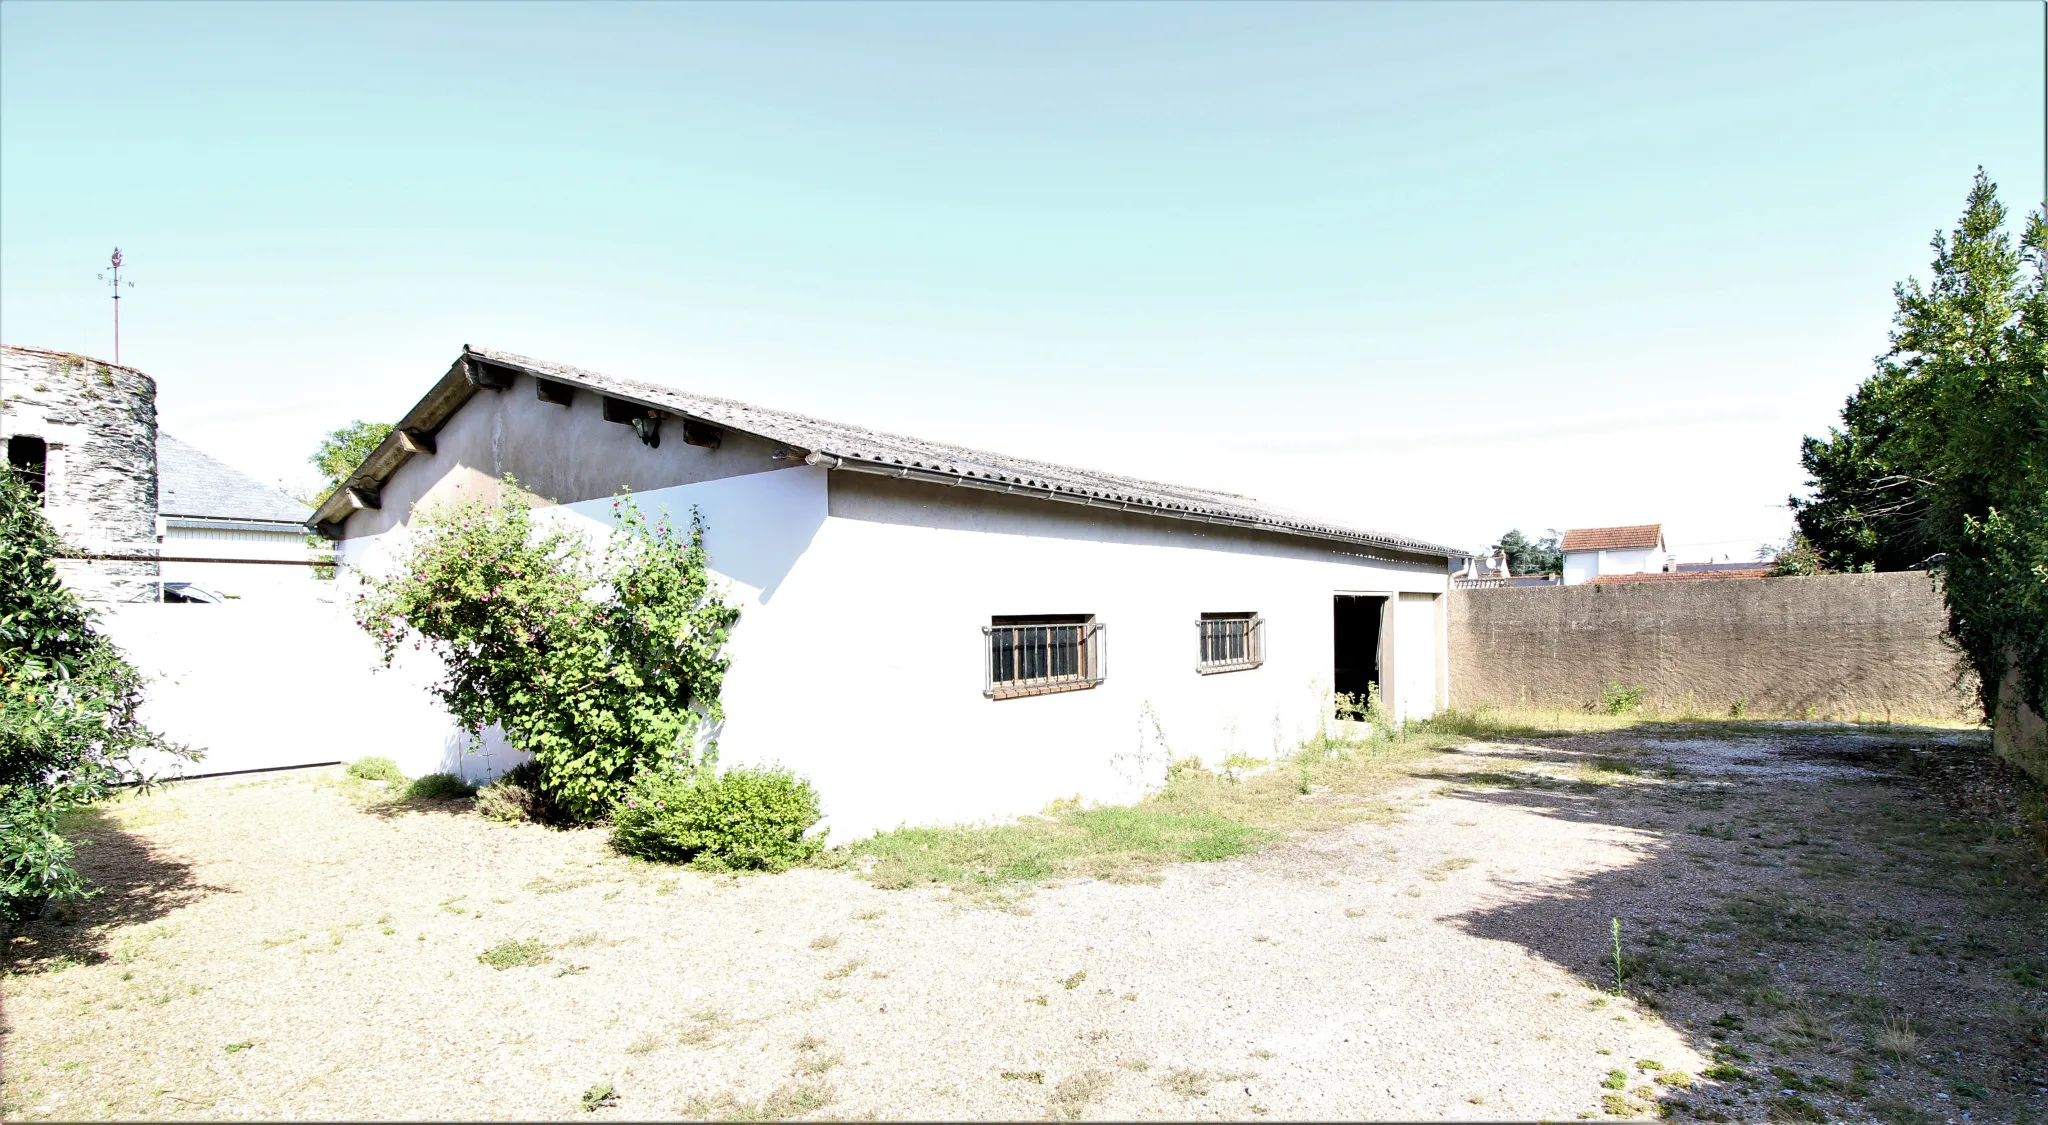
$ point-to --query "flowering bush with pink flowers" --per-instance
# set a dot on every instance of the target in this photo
(602, 663)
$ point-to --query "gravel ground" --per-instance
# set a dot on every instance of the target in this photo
(276, 949)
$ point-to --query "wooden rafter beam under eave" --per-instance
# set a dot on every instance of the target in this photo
(481, 374)
(364, 499)
(548, 390)
(645, 420)
(416, 441)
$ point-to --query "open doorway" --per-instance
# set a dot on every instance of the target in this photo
(1357, 644)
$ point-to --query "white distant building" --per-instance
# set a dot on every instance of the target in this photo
(208, 510)
(930, 633)
(1596, 552)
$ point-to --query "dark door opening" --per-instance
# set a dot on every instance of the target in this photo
(1357, 646)
(30, 457)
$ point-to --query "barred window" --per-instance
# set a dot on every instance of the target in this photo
(1231, 642)
(1041, 654)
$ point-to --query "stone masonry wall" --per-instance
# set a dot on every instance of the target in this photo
(1840, 644)
(100, 491)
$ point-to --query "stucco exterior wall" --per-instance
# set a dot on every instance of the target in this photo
(1844, 644)
(858, 658)
(100, 486)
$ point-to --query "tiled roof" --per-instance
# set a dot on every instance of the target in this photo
(189, 483)
(839, 445)
(1683, 576)
(1635, 537)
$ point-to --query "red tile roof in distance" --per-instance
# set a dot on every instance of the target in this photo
(1681, 576)
(1637, 537)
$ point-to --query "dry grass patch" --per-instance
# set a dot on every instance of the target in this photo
(786, 1102)
(1072, 1097)
(1199, 816)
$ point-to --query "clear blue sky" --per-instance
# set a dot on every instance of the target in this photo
(1438, 269)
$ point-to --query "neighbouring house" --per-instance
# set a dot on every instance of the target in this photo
(1595, 552)
(1488, 572)
(932, 633)
(208, 510)
(1478, 572)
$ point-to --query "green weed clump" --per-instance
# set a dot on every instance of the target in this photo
(439, 787)
(600, 1096)
(512, 954)
(744, 819)
(1617, 698)
(376, 769)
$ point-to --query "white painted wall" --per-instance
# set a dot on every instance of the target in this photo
(858, 658)
(241, 580)
(1584, 566)
(267, 684)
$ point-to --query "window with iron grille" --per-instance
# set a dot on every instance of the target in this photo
(1040, 654)
(1231, 642)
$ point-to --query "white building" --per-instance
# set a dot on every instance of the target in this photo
(208, 510)
(1594, 552)
(931, 633)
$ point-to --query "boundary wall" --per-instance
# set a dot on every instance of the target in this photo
(1844, 645)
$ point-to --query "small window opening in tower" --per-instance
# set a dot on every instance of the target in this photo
(30, 457)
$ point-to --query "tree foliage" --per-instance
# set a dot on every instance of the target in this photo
(601, 665)
(1942, 454)
(1526, 556)
(68, 726)
(344, 450)
(1796, 557)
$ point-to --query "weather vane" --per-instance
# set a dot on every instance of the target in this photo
(113, 278)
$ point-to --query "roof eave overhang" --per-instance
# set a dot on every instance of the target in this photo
(440, 403)
(460, 383)
(1370, 546)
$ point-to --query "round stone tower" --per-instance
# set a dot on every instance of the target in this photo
(84, 434)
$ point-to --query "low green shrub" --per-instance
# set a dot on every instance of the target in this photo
(746, 818)
(376, 769)
(517, 797)
(439, 787)
(1618, 698)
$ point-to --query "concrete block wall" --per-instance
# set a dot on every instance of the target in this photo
(1831, 645)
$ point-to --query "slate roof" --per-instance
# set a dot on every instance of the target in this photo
(840, 440)
(1632, 538)
(837, 445)
(189, 483)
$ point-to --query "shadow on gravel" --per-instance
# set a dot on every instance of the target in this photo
(1850, 923)
(136, 883)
